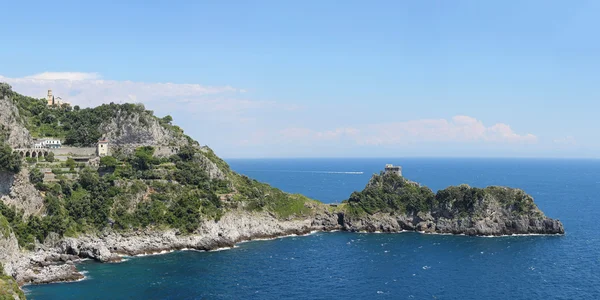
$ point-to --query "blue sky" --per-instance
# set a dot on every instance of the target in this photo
(327, 78)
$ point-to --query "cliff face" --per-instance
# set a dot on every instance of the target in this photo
(131, 130)
(396, 204)
(9, 257)
(10, 121)
(10, 246)
(16, 190)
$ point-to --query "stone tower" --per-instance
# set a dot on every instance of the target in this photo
(391, 169)
(50, 98)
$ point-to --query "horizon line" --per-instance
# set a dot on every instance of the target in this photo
(410, 157)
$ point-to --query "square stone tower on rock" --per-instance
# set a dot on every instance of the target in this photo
(391, 169)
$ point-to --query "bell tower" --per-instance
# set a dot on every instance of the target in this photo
(50, 98)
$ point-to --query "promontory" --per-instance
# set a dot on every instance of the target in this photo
(116, 180)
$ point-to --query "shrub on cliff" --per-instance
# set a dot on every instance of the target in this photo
(108, 162)
(9, 289)
(50, 157)
(35, 176)
(9, 161)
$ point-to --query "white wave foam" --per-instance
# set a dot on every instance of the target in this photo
(223, 248)
(152, 253)
(491, 236)
(80, 279)
(520, 234)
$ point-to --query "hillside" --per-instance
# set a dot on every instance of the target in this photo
(136, 186)
(155, 177)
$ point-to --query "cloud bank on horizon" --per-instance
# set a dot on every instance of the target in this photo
(238, 126)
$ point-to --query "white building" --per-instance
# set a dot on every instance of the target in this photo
(53, 144)
(48, 143)
(102, 147)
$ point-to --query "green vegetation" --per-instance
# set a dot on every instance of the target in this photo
(50, 157)
(4, 227)
(35, 176)
(108, 162)
(131, 190)
(388, 193)
(70, 163)
(8, 286)
(391, 193)
(141, 190)
(9, 161)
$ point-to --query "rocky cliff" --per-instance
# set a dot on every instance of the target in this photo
(9, 256)
(131, 130)
(16, 190)
(390, 203)
(11, 124)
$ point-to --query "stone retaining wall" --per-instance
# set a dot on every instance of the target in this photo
(75, 151)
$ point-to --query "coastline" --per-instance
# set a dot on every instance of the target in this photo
(56, 260)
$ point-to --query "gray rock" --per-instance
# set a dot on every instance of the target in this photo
(16, 190)
(11, 123)
(128, 131)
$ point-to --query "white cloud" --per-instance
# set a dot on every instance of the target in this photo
(458, 129)
(337, 133)
(88, 89)
(295, 133)
(223, 116)
(567, 140)
(64, 76)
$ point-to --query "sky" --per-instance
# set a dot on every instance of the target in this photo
(255, 79)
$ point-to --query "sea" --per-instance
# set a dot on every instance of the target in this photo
(342, 265)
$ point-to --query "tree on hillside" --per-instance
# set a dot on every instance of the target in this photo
(5, 89)
(9, 161)
(35, 176)
(186, 153)
(108, 162)
(50, 157)
(70, 163)
(143, 158)
(167, 119)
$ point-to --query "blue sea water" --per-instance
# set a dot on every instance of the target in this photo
(381, 266)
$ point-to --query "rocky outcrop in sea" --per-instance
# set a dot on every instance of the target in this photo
(403, 205)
